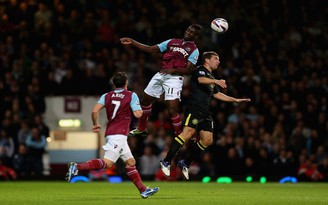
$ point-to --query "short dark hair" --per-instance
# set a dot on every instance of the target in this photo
(119, 79)
(197, 26)
(208, 55)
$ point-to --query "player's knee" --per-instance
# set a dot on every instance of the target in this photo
(146, 100)
(187, 133)
(207, 141)
(109, 163)
(130, 162)
(173, 110)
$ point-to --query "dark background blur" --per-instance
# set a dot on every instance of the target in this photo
(275, 52)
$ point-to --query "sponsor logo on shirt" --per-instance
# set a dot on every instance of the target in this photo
(180, 50)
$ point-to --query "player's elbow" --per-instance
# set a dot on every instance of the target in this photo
(137, 113)
(153, 49)
(94, 114)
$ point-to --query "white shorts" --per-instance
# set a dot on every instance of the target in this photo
(169, 84)
(117, 146)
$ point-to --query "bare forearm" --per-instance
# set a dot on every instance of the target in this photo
(205, 80)
(94, 117)
(226, 98)
(137, 113)
(143, 47)
(223, 97)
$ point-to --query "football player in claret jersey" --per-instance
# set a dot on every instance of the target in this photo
(118, 105)
(179, 58)
(203, 86)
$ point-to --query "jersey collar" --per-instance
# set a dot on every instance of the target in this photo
(118, 90)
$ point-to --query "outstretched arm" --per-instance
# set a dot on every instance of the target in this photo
(205, 80)
(143, 47)
(226, 98)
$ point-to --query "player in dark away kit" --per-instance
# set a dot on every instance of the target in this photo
(203, 86)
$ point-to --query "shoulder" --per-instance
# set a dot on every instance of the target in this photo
(175, 40)
(129, 93)
(200, 70)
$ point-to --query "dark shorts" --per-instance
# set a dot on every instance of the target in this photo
(199, 121)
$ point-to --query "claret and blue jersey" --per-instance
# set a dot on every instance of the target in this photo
(177, 52)
(118, 104)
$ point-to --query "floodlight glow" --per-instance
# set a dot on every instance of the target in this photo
(288, 179)
(115, 179)
(69, 123)
(79, 179)
(249, 179)
(263, 180)
(206, 179)
(226, 180)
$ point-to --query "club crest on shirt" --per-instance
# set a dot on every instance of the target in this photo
(201, 72)
(188, 49)
(194, 121)
(115, 146)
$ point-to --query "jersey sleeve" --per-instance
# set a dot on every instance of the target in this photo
(193, 58)
(135, 104)
(199, 73)
(102, 99)
(163, 46)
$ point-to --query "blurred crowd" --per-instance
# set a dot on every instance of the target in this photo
(275, 52)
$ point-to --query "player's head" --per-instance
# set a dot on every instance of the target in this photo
(192, 32)
(120, 80)
(211, 60)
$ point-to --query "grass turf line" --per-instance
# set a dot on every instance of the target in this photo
(170, 193)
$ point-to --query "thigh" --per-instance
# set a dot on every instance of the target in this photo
(155, 86)
(173, 87)
(192, 119)
(113, 147)
(187, 132)
(206, 125)
(125, 153)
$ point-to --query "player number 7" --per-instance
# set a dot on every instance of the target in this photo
(117, 105)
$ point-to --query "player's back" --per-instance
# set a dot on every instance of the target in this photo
(118, 111)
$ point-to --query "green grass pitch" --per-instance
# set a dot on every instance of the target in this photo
(170, 193)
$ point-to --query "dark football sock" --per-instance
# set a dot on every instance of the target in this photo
(176, 144)
(193, 152)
